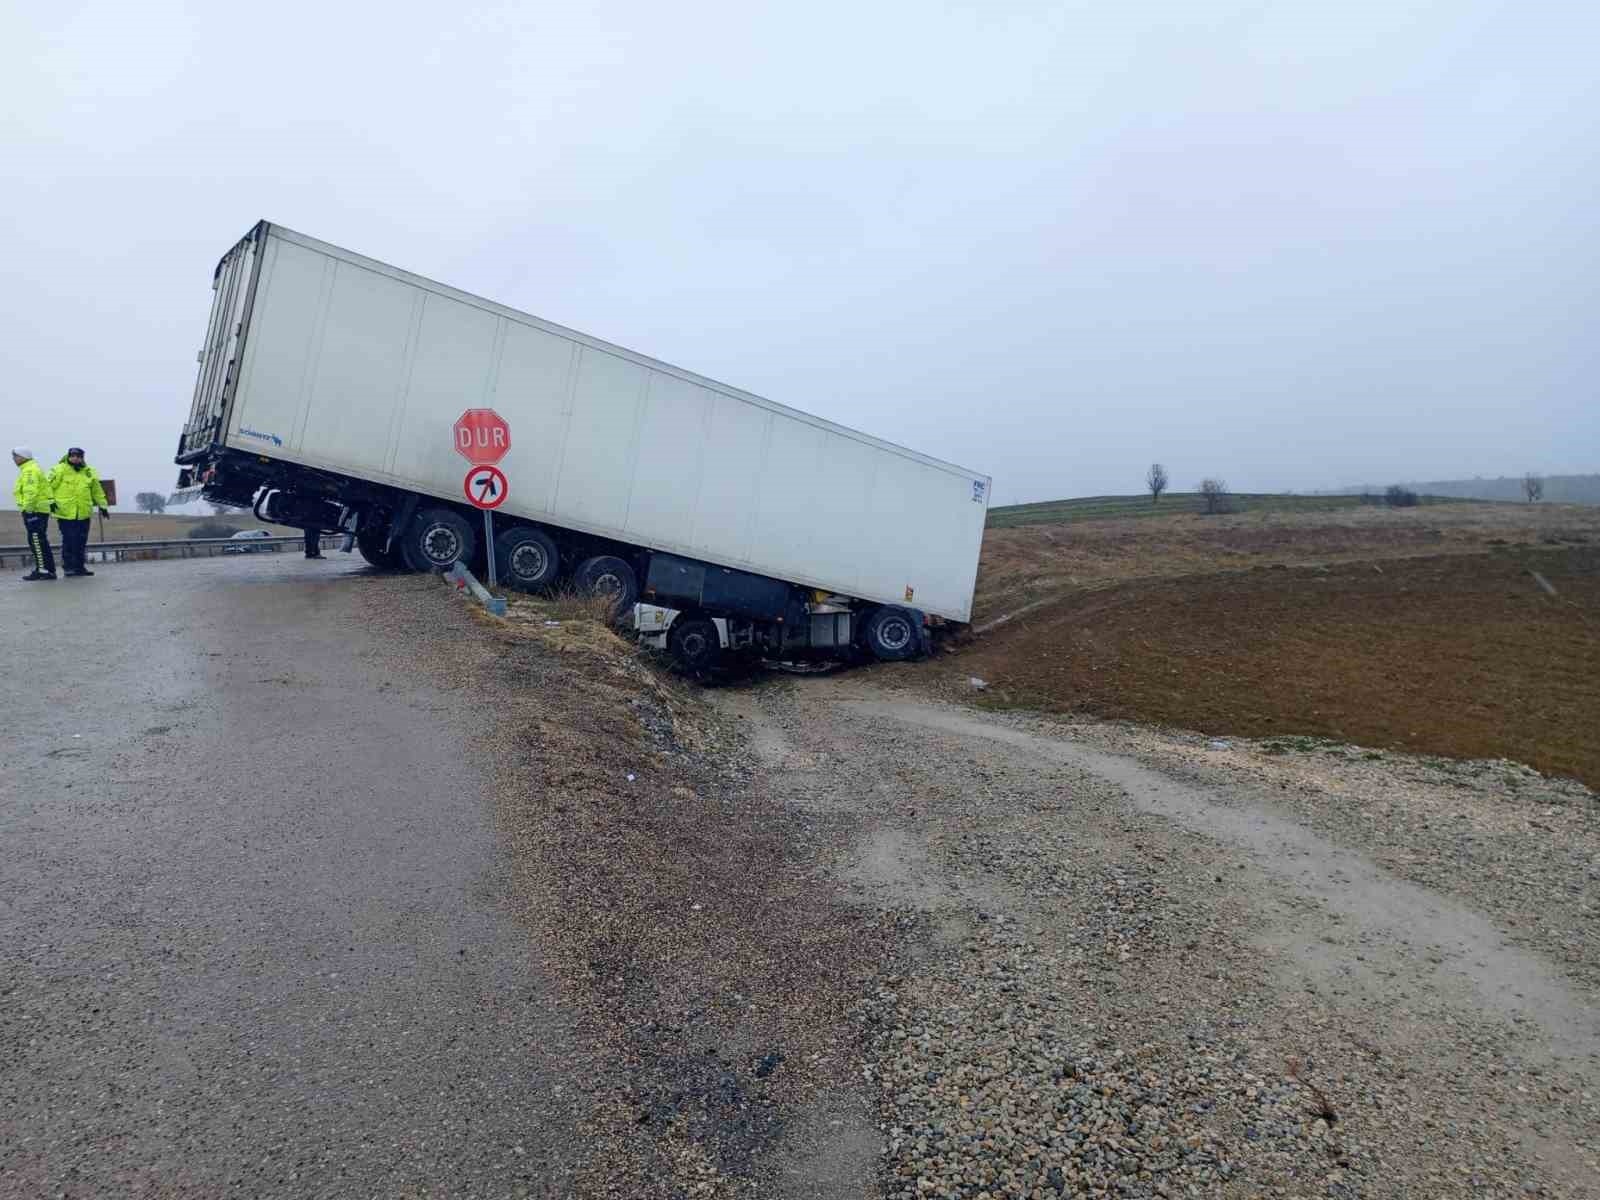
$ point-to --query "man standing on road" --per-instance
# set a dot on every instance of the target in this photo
(32, 494)
(313, 543)
(77, 492)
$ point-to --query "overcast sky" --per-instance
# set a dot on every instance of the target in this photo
(1294, 244)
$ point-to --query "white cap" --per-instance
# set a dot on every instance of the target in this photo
(22, 452)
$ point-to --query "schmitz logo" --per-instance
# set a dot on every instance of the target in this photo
(265, 437)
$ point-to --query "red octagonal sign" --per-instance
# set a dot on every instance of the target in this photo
(482, 435)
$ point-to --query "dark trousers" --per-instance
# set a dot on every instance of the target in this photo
(313, 543)
(38, 527)
(74, 537)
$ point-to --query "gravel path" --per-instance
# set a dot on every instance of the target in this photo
(1142, 978)
(1522, 848)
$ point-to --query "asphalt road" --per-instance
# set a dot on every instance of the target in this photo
(253, 929)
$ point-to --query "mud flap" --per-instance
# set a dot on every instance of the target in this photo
(924, 633)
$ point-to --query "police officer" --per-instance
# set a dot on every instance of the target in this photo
(77, 493)
(34, 502)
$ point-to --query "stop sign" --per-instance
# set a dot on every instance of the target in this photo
(482, 435)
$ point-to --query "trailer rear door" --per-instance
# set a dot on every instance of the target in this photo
(232, 288)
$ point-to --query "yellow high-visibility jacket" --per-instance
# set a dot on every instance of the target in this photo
(32, 490)
(77, 491)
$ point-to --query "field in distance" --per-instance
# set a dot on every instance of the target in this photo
(137, 527)
(1421, 629)
(1102, 508)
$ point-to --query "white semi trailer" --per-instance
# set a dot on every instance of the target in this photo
(329, 395)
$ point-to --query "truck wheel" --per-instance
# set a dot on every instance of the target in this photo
(438, 538)
(372, 550)
(526, 559)
(891, 634)
(608, 575)
(694, 644)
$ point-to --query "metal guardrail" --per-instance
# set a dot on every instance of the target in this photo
(159, 548)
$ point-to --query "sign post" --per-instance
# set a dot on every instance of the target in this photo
(482, 437)
(488, 545)
(486, 487)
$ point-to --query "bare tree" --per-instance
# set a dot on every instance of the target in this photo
(1533, 487)
(1214, 493)
(151, 502)
(1156, 481)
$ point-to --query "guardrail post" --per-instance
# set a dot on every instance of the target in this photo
(466, 581)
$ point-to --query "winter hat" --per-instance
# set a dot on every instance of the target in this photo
(71, 450)
(22, 452)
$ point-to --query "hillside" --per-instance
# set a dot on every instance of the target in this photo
(1103, 508)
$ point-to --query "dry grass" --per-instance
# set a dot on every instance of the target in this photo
(578, 626)
(568, 603)
(567, 619)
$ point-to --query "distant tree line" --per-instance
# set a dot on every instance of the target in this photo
(1215, 496)
(1553, 489)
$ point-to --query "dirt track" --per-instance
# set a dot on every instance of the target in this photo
(1118, 918)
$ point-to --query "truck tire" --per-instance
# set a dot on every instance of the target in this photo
(694, 644)
(438, 538)
(607, 574)
(526, 559)
(372, 550)
(891, 635)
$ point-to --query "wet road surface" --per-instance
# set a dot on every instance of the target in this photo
(253, 932)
